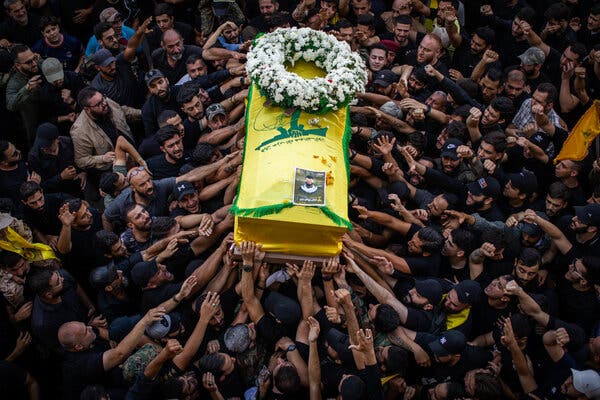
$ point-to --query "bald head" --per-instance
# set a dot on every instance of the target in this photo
(172, 43)
(70, 334)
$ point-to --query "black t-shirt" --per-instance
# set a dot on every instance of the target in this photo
(154, 105)
(12, 381)
(10, 181)
(161, 168)
(485, 317)
(15, 33)
(86, 368)
(79, 260)
(124, 88)
(577, 307)
(46, 221)
(174, 74)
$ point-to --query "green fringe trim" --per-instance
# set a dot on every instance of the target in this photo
(336, 218)
(277, 208)
(260, 211)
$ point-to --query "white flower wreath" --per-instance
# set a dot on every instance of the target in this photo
(346, 72)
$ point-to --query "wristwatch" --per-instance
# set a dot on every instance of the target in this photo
(291, 347)
(247, 268)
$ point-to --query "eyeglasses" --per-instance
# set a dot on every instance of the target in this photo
(102, 101)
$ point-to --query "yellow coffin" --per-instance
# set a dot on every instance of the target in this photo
(293, 192)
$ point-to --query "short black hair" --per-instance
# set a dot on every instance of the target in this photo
(108, 182)
(8, 259)
(39, 283)
(161, 226)
(163, 8)
(495, 75)
(203, 153)
(497, 140)
(187, 92)
(386, 319)
(28, 189)
(193, 58)
(463, 239)
(403, 19)
(48, 20)
(550, 90)
(559, 190)
(486, 34)
(100, 28)
(378, 46)
(18, 49)
(530, 257)
(397, 360)
(431, 238)
(165, 133)
(494, 236)
(85, 94)
(557, 11)
(287, 380)
(104, 240)
(212, 363)
(366, 20)
(504, 106)
(526, 14)
(164, 116)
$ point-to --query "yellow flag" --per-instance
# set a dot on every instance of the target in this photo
(581, 136)
(293, 192)
(14, 242)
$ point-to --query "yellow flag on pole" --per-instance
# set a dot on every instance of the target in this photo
(581, 136)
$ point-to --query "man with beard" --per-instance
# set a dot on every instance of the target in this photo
(514, 87)
(115, 78)
(172, 55)
(89, 359)
(469, 54)
(14, 271)
(532, 61)
(154, 195)
(13, 172)
(20, 26)
(22, 89)
(97, 128)
(58, 299)
(495, 117)
(495, 305)
(429, 52)
(162, 97)
(41, 212)
(402, 37)
(76, 239)
(139, 223)
(167, 164)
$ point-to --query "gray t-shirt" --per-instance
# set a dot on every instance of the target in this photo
(158, 206)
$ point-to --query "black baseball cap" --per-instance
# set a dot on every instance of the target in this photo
(488, 186)
(385, 78)
(283, 308)
(46, 134)
(451, 342)
(152, 75)
(468, 291)
(588, 214)
(525, 181)
(430, 289)
(450, 147)
(182, 188)
(102, 276)
(142, 272)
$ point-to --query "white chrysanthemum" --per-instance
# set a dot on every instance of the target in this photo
(346, 73)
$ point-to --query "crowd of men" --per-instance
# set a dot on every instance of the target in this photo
(473, 267)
